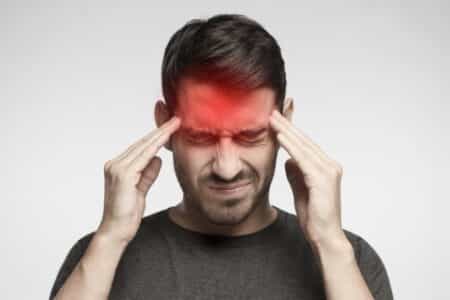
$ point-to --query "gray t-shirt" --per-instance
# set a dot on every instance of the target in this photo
(167, 261)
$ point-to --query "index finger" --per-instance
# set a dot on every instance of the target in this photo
(283, 125)
(285, 128)
(143, 155)
(169, 126)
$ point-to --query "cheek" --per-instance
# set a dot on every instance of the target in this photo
(191, 160)
(261, 158)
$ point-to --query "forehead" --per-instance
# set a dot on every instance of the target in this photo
(207, 105)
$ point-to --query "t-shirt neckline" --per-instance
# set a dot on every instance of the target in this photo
(260, 237)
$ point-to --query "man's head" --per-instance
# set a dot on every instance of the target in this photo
(223, 77)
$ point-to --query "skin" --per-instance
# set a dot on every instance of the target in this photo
(222, 158)
(128, 178)
(313, 176)
(315, 180)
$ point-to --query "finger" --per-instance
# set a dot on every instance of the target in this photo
(170, 126)
(308, 165)
(285, 124)
(151, 146)
(299, 187)
(144, 139)
(296, 178)
(298, 144)
(149, 175)
(143, 158)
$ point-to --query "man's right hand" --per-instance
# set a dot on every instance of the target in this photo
(128, 178)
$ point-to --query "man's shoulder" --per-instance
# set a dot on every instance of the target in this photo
(150, 222)
(371, 265)
(152, 226)
(364, 251)
(156, 218)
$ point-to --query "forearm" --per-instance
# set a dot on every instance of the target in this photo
(341, 273)
(93, 275)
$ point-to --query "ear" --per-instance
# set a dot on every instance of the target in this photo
(288, 108)
(162, 115)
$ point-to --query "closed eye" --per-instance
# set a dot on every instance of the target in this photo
(246, 137)
(201, 137)
(252, 136)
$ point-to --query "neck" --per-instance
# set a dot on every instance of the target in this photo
(192, 218)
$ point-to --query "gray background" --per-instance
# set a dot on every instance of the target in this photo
(371, 86)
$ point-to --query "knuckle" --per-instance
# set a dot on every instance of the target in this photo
(338, 170)
(152, 148)
(334, 171)
(107, 166)
(115, 170)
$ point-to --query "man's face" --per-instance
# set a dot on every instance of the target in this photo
(224, 141)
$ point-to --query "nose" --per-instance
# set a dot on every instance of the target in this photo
(227, 163)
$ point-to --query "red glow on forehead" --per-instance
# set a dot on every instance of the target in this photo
(209, 106)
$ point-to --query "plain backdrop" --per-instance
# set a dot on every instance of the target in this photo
(370, 81)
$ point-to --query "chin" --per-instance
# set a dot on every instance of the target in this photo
(229, 211)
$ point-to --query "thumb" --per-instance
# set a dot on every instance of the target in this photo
(291, 173)
(295, 178)
(149, 175)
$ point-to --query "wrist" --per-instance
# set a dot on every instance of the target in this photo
(113, 234)
(336, 247)
(102, 252)
(98, 264)
(107, 240)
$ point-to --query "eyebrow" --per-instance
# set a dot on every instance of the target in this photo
(249, 131)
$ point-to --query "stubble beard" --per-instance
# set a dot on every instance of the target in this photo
(224, 212)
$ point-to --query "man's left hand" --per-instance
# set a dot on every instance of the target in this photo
(315, 180)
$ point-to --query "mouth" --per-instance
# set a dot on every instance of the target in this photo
(230, 188)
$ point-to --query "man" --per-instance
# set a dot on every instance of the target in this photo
(224, 119)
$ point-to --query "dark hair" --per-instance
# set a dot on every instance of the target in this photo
(229, 49)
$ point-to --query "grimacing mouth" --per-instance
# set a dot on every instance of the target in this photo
(229, 186)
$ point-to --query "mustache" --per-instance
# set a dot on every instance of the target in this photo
(215, 179)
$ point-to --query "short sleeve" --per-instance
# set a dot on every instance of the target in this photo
(373, 270)
(71, 260)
